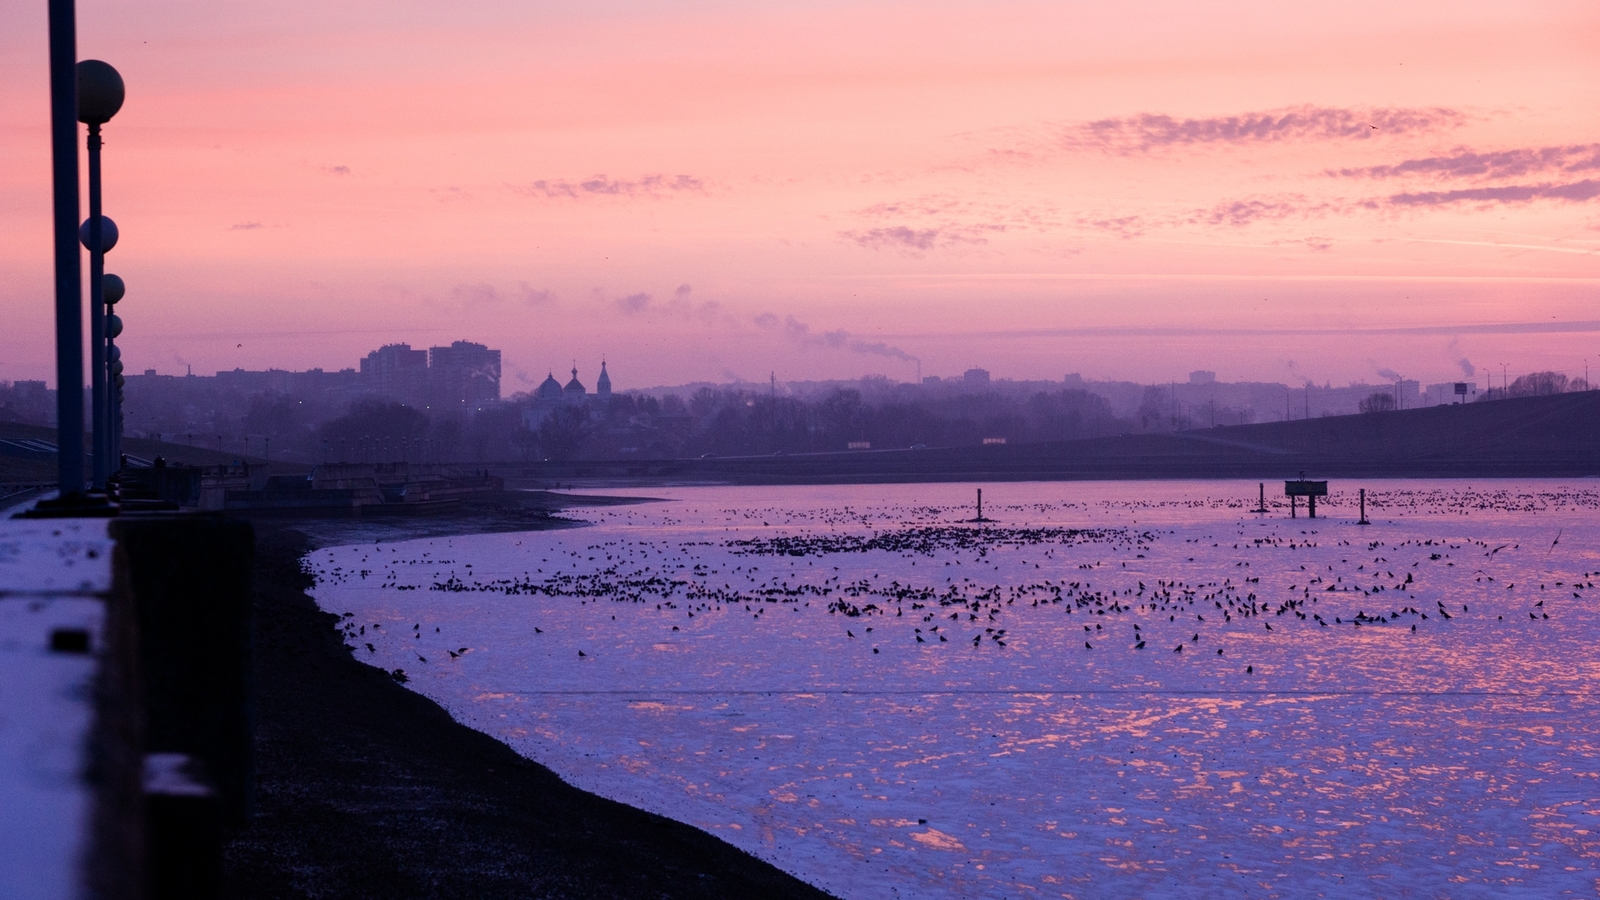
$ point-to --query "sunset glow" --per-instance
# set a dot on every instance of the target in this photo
(712, 191)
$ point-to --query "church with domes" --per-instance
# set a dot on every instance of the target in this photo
(551, 395)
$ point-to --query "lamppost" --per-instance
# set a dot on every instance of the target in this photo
(112, 289)
(114, 393)
(1505, 383)
(63, 31)
(100, 95)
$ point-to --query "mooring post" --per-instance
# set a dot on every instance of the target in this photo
(1363, 508)
(1261, 507)
(980, 505)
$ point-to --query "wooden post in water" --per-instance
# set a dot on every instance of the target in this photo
(1292, 501)
(1311, 505)
(1363, 508)
(980, 505)
(1261, 506)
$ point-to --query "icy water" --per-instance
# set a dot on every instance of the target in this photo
(1113, 690)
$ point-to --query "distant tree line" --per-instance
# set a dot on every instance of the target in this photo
(741, 422)
(712, 421)
(1536, 384)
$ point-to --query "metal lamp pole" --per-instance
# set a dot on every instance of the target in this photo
(113, 329)
(100, 96)
(98, 234)
(69, 286)
(112, 290)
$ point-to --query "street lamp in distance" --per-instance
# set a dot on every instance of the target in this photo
(100, 95)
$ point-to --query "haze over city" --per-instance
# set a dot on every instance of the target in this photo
(799, 450)
(714, 192)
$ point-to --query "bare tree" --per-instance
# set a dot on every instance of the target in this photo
(1378, 401)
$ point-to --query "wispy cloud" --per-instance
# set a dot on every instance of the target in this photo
(532, 296)
(471, 295)
(1464, 163)
(1153, 131)
(633, 304)
(801, 334)
(246, 226)
(605, 186)
(337, 171)
(1582, 326)
(1125, 227)
(935, 221)
(1239, 213)
(912, 240)
(1574, 192)
(1245, 212)
(681, 305)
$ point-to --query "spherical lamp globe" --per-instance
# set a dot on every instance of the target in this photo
(100, 92)
(112, 286)
(108, 234)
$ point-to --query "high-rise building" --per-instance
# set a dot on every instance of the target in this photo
(463, 375)
(399, 373)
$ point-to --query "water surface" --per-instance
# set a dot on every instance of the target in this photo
(888, 701)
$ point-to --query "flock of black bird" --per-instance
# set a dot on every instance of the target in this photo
(1000, 571)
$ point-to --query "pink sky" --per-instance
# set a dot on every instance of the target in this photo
(716, 191)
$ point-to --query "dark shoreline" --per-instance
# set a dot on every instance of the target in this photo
(366, 789)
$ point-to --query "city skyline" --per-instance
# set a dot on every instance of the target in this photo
(716, 193)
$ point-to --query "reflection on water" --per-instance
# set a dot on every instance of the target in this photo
(1115, 690)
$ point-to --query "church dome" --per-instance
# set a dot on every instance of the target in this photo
(574, 387)
(549, 389)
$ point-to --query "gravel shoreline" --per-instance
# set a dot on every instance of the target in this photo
(366, 789)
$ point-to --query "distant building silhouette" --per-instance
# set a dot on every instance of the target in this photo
(395, 372)
(551, 395)
(463, 375)
(574, 391)
(976, 377)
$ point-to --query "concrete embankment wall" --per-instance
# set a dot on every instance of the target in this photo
(125, 754)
